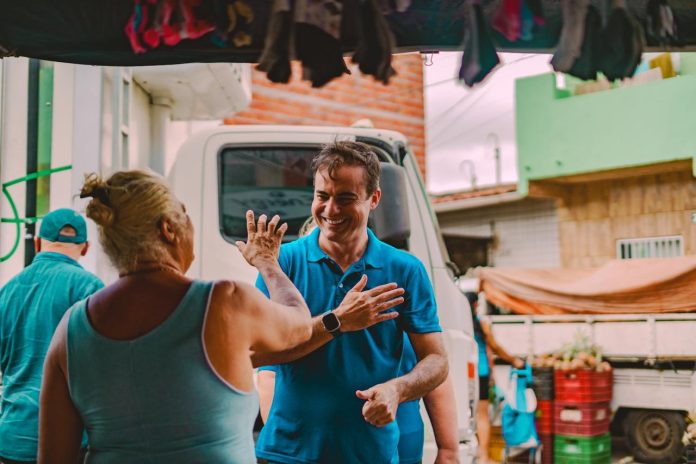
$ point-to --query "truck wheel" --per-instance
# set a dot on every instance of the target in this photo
(654, 437)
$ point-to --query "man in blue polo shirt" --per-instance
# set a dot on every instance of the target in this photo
(337, 395)
(31, 305)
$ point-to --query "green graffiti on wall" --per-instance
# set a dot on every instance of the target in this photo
(16, 219)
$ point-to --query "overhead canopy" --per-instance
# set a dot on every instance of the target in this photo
(92, 31)
(666, 285)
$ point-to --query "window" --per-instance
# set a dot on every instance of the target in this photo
(267, 180)
(650, 247)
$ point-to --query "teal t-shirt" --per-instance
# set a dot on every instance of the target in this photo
(484, 369)
(31, 306)
(315, 416)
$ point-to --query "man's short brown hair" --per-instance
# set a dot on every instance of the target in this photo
(344, 153)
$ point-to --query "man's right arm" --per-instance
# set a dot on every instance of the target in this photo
(358, 310)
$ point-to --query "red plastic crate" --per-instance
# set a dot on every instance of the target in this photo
(581, 419)
(544, 417)
(583, 385)
(546, 440)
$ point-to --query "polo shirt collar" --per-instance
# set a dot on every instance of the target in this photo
(371, 256)
(53, 256)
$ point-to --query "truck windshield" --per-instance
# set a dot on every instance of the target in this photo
(268, 180)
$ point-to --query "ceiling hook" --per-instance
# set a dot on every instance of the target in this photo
(428, 57)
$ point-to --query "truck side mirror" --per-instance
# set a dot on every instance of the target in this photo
(390, 220)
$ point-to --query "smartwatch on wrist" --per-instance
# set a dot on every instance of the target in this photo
(331, 323)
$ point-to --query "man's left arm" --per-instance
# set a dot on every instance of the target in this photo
(443, 417)
(382, 400)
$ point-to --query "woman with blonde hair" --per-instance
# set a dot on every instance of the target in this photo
(157, 367)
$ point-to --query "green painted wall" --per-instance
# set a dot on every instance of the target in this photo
(560, 135)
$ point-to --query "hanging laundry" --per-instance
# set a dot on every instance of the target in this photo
(480, 56)
(660, 24)
(570, 42)
(156, 22)
(622, 43)
(6, 52)
(373, 53)
(527, 22)
(535, 6)
(391, 6)
(586, 65)
(233, 20)
(317, 44)
(275, 59)
(508, 19)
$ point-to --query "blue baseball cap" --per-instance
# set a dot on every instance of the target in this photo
(54, 221)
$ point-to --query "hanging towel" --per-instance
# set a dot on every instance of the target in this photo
(275, 59)
(507, 19)
(317, 44)
(570, 42)
(660, 24)
(373, 54)
(480, 56)
(586, 65)
(622, 43)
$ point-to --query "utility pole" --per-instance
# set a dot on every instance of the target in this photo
(472, 171)
(496, 156)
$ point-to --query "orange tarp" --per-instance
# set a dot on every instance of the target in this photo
(665, 285)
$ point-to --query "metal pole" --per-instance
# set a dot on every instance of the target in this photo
(32, 157)
(161, 111)
(496, 156)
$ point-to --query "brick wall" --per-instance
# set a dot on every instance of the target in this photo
(397, 106)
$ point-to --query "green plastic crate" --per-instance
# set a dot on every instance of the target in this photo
(582, 450)
(604, 458)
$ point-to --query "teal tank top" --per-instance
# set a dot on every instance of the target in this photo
(156, 398)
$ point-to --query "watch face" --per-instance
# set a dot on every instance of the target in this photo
(331, 322)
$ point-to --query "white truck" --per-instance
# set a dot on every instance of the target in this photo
(223, 172)
(654, 368)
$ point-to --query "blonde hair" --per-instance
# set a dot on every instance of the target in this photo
(128, 208)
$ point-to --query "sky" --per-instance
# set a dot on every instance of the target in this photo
(462, 124)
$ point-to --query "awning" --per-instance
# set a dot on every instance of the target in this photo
(92, 31)
(666, 285)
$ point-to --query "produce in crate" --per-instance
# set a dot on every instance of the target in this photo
(578, 354)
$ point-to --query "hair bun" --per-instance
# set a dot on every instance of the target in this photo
(99, 208)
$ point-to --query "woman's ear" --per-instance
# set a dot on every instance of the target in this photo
(167, 230)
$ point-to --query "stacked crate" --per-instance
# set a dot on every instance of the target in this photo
(581, 416)
(690, 453)
(543, 386)
(496, 447)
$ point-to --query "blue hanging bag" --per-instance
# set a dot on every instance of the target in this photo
(519, 429)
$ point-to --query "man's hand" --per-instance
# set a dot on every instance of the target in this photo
(381, 403)
(263, 240)
(361, 309)
(447, 456)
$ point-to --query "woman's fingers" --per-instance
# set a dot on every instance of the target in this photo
(261, 226)
(273, 224)
(251, 224)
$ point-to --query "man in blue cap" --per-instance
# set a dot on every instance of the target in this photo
(31, 305)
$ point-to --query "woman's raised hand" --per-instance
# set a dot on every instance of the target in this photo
(263, 239)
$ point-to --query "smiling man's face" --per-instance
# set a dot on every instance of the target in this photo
(341, 204)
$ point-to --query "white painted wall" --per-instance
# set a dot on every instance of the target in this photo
(13, 160)
(526, 231)
(87, 126)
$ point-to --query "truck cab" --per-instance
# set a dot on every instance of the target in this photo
(223, 172)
